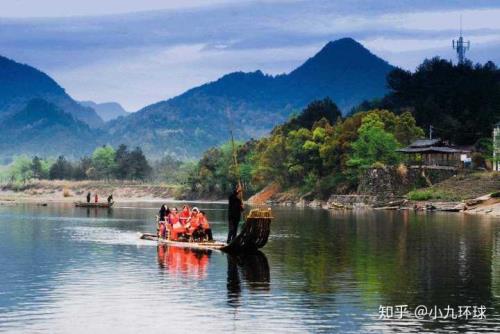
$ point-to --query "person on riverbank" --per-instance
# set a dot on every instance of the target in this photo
(96, 198)
(88, 197)
(235, 208)
(110, 199)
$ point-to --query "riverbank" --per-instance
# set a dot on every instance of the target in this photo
(45, 191)
(459, 195)
(468, 192)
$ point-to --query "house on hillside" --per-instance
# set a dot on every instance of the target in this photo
(437, 153)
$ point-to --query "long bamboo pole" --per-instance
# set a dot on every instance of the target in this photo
(235, 154)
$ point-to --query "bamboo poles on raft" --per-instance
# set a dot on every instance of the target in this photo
(257, 226)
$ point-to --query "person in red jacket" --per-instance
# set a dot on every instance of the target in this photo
(176, 227)
(173, 217)
(200, 229)
(185, 215)
(96, 198)
(194, 221)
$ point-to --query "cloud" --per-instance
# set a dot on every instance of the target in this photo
(61, 8)
(158, 73)
(140, 58)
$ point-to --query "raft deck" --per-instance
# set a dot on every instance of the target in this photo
(254, 235)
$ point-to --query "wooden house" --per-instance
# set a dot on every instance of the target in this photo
(436, 152)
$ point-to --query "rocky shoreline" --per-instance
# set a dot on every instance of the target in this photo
(271, 195)
(480, 206)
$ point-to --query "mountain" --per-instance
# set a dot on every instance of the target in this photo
(107, 111)
(253, 102)
(42, 128)
(20, 83)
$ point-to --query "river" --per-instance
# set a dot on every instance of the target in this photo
(75, 270)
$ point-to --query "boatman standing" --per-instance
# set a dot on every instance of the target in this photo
(235, 208)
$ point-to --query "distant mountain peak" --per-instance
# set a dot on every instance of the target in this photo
(344, 54)
(20, 83)
(342, 43)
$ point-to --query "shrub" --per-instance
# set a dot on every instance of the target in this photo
(66, 192)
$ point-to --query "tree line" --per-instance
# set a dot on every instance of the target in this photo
(105, 163)
(317, 151)
(461, 102)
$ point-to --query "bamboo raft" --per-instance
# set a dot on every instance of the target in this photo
(254, 235)
(93, 205)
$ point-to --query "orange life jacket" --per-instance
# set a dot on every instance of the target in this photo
(173, 218)
(204, 222)
(184, 216)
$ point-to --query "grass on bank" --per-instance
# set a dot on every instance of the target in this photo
(430, 194)
(460, 187)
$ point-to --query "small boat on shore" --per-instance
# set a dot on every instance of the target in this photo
(94, 205)
(253, 236)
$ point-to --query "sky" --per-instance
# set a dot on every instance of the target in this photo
(141, 52)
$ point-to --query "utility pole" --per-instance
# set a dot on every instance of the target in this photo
(496, 147)
(460, 45)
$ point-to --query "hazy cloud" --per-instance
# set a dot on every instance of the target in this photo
(137, 58)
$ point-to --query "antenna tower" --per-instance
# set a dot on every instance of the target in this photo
(460, 45)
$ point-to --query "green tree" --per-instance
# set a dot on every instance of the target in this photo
(374, 144)
(315, 111)
(461, 102)
(122, 160)
(406, 129)
(61, 169)
(103, 162)
(81, 168)
(21, 169)
(138, 168)
(36, 167)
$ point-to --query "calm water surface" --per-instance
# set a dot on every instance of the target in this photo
(65, 269)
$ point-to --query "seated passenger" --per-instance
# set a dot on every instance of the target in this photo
(193, 223)
(205, 226)
(185, 215)
(176, 228)
(173, 217)
(201, 231)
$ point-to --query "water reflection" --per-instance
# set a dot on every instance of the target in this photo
(97, 212)
(253, 268)
(330, 272)
(243, 270)
(183, 261)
